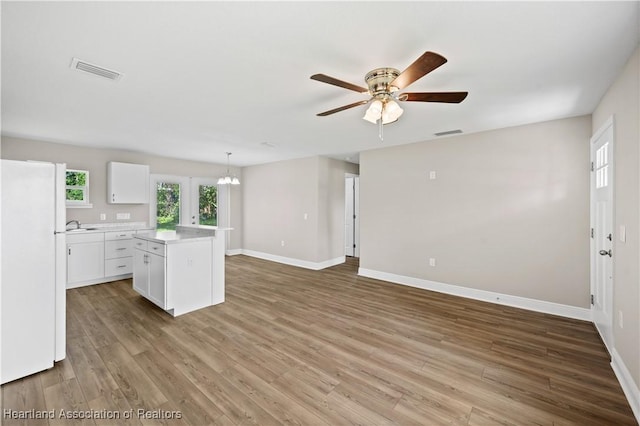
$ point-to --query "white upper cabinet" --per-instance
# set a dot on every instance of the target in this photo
(127, 183)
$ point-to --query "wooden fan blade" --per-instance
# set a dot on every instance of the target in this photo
(330, 80)
(342, 108)
(422, 66)
(448, 97)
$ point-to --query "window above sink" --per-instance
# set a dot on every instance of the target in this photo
(77, 189)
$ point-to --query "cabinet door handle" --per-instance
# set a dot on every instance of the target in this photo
(121, 248)
(122, 266)
(69, 251)
(122, 235)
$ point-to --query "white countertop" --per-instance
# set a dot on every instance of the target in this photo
(108, 227)
(187, 233)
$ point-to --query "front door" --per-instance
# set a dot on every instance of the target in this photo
(602, 232)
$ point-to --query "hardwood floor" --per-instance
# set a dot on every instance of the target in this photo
(294, 346)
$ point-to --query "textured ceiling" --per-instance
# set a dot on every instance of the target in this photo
(203, 78)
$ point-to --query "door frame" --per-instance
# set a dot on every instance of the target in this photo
(606, 332)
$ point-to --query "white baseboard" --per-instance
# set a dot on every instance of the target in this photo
(629, 387)
(233, 252)
(295, 262)
(483, 295)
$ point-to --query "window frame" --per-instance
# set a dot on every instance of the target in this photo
(85, 202)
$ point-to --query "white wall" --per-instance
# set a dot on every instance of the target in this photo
(276, 198)
(508, 212)
(622, 101)
(95, 161)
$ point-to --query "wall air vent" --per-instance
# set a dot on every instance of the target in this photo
(449, 132)
(78, 64)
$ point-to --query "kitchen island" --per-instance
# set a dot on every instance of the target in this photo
(182, 270)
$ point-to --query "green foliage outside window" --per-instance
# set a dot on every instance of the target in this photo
(168, 205)
(168, 210)
(75, 195)
(77, 187)
(208, 195)
(76, 178)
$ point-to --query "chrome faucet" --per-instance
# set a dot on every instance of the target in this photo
(73, 221)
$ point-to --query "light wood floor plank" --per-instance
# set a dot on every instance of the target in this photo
(301, 347)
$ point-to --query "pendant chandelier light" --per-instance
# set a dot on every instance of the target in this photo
(227, 179)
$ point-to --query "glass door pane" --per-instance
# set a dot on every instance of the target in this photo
(168, 206)
(208, 205)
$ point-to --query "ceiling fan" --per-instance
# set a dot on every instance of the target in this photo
(384, 86)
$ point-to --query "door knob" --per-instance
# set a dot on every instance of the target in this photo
(605, 253)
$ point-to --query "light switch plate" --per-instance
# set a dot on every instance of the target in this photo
(433, 175)
(623, 234)
(123, 216)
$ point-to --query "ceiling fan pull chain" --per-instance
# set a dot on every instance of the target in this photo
(380, 135)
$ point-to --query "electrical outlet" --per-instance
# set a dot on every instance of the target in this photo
(103, 216)
(433, 175)
(432, 261)
(306, 216)
(282, 243)
(123, 216)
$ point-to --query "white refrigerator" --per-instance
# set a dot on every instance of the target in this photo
(33, 274)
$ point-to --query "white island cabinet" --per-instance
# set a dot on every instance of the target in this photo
(180, 271)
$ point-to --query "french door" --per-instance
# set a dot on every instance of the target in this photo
(181, 200)
(204, 202)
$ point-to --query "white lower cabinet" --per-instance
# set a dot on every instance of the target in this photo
(118, 253)
(85, 259)
(149, 277)
(141, 272)
(98, 257)
(157, 280)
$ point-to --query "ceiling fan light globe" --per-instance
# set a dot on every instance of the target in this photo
(235, 181)
(373, 112)
(221, 181)
(391, 112)
(370, 118)
(376, 108)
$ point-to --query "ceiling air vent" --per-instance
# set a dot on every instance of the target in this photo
(81, 65)
(449, 132)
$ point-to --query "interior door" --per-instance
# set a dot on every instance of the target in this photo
(352, 216)
(602, 232)
(356, 216)
(349, 231)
